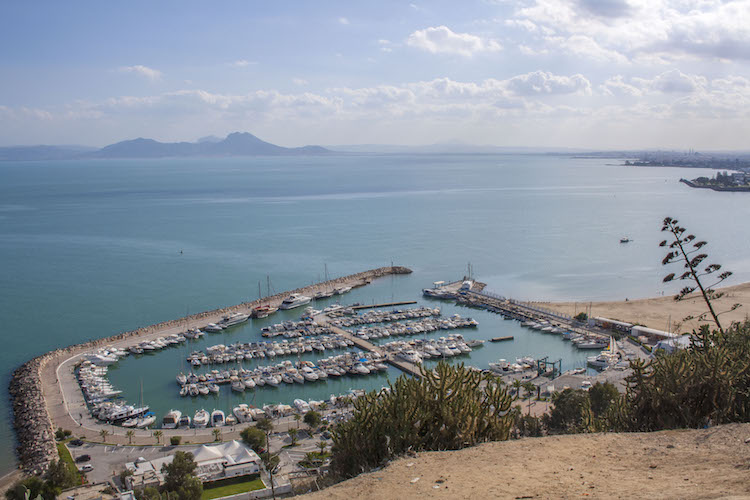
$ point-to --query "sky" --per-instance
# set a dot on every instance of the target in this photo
(601, 74)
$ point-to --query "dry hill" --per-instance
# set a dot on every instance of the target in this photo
(707, 463)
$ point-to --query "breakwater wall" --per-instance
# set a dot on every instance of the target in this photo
(31, 419)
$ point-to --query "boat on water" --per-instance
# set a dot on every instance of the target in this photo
(200, 419)
(625, 240)
(295, 300)
(182, 379)
(302, 405)
(263, 311)
(171, 419)
(217, 418)
(607, 358)
(131, 422)
(242, 413)
(212, 328)
(342, 290)
(183, 422)
(411, 356)
(323, 294)
(148, 419)
(234, 319)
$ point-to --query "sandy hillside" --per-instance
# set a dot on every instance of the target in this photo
(656, 312)
(711, 463)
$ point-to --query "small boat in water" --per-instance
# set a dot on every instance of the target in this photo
(148, 419)
(184, 422)
(171, 419)
(295, 300)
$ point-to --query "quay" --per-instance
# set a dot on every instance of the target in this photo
(45, 394)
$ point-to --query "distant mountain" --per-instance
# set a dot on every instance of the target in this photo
(235, 144)
(448, 148)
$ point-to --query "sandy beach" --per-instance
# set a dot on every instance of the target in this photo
(663, 312)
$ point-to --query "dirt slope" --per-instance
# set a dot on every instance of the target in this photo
(710, 463)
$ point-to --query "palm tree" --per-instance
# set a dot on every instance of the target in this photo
(157, 435)
(297, 417)
(517, 386)
(293, 434)
(217, 434)
(104, 433)
(530, 390)
(322, 445)
(130, 435)
(266, 426)
(323, 406)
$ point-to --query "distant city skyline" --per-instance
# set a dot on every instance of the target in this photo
(597, 74)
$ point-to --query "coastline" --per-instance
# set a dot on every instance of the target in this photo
(660, 312)
(37, 396)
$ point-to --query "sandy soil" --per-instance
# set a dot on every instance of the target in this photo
(710, 463)
(658, 312)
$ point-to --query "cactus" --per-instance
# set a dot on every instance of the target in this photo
(448, 408)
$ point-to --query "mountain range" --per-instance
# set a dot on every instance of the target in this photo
(235, 144)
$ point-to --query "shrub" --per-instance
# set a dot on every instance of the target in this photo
(175, 440)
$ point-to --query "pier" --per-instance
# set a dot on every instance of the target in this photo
(402, 365)
(387, 304)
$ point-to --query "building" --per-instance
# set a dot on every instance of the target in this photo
(214, 463)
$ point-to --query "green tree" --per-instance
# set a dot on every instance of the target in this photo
(130, 433)
(602, 396)
(293, 434)
(104, 433)
(217, 434)
(148, 493)
(530, 389)
(571, 412)
(158, 434)
(175, 440)
(178, 470)
(322, 445)
(265, 425)
(312, 419)
(297, 418)
(190, 489)
(254, 438)
(61, 475)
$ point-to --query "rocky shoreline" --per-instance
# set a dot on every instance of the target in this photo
(34, 429)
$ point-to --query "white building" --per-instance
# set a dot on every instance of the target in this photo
(214, 462)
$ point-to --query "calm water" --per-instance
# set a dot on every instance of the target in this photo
(92, 248)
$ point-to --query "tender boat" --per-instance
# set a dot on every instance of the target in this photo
(342, 290)
(148, 419)
(234, 319)
(184, 422)
(295, 300)
(212, 328)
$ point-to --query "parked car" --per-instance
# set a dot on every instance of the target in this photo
(76, 442)
(83, 458)
(86, 468)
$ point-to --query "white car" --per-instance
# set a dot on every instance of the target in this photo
(86, 468)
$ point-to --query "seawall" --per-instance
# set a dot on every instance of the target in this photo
(31, 419)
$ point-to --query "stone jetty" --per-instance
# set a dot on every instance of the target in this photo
(31, 416)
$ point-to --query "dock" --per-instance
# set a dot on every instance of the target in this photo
(402, 365)
(387, 304)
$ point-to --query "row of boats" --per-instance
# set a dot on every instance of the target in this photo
(580, 340)
(220, 353)
(346, 317)
(425, 325)
(416, 351)
(287, 372)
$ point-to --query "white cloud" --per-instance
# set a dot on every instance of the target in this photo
(299, 81)
(343, 20)
(241, 63)
(650, 31)
(145, 71)
(673, 81)
(542, 82)
(441, 40)
(617, 86)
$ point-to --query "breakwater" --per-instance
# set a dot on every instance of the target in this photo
(35, 382)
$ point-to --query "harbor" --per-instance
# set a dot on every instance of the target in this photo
(231, 366)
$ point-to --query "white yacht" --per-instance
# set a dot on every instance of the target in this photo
(342, 290)
(201, 418)
(217, 418)
(295, 300)
(234, 319)
(302, 405)
(411, 356)
(171, 419)
(213, 328)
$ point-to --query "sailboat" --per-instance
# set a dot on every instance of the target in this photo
(148, 418)
(325, 293)
(608, 357)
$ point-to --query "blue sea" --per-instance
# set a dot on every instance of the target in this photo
(91, 248)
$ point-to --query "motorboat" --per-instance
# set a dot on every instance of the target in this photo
(242, 413)
(263, 311)
(234, 319)
(342, 290)
(302, 405)
(212, 328)
(182, 379)
(131, 422)
(171, 419)
(411, 356)
(295, 300)
(148, 419)
(238, 385)
(201, 418)
(217, 418)
(184, 421)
